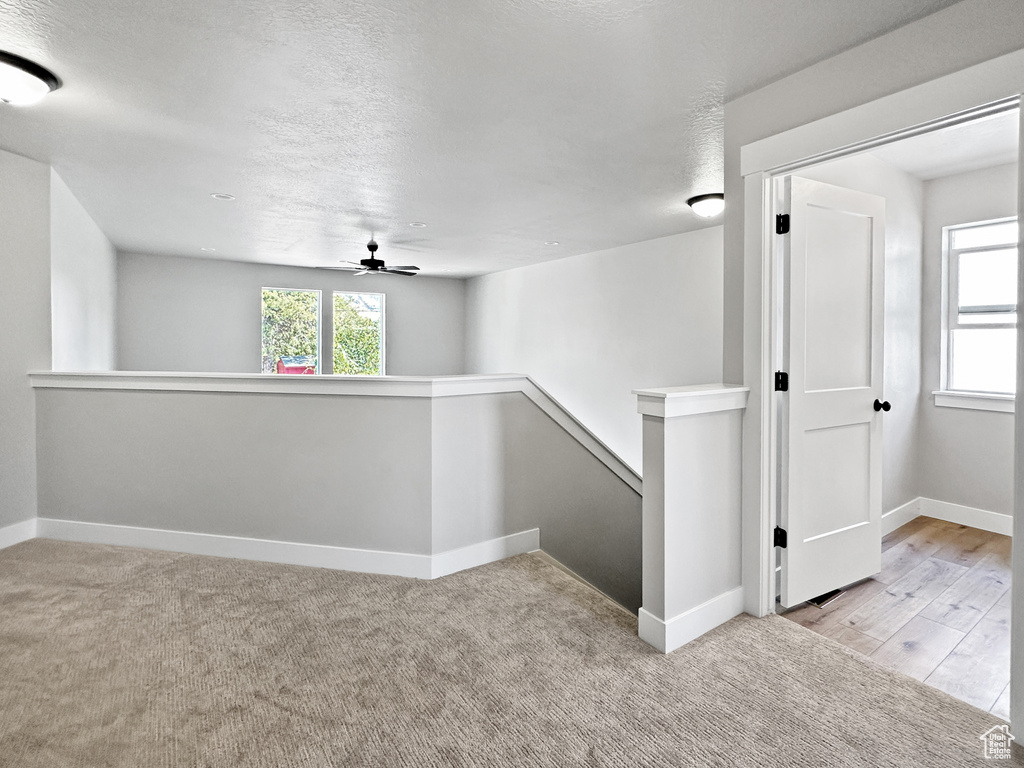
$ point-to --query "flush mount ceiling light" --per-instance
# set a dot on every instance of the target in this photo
(707, 205)
(417, 224)
(222, 196)
(550, 242)
(23, 82)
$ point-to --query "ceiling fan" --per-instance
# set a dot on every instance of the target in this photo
(375, 266)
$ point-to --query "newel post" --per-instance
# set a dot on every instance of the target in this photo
(691, 510)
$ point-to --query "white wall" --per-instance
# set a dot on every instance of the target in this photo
(966, 456)
(904, 213)
(590, 329)
(186, 314)
(83, 278)
(25, 320)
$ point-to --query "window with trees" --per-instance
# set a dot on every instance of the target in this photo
(981, 307)
(292, 339)
(291, 331)
(359, 334)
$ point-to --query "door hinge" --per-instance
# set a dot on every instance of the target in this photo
(780, 537)
(781, 381)
(782, 224)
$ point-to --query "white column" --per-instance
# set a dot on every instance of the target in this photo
(691, 511)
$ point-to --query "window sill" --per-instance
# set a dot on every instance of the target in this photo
(975, 401)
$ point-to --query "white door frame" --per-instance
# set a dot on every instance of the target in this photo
(945, 101)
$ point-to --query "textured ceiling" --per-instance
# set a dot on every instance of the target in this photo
(500, 125)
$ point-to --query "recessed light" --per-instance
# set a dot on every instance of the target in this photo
(551, 242)
(417, 224)
(208, 250)
(707, 205)
(222, 196)
(23, 82)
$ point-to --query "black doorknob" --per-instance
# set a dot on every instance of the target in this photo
(880, 406)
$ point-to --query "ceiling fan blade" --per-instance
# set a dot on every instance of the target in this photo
(398, 272)
(341, 269)
(361, 272)
(410, 269)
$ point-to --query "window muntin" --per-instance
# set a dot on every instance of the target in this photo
(359, 334)
(291, 331)
(981, 307)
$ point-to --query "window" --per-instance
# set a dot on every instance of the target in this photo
(292, 339)
(359, 334)
(291, 331)
(981, 307)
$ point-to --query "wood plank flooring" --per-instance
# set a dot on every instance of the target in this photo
(939, 611)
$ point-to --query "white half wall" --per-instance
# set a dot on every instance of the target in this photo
(592, 328)
(25, 320)
(83, 267)
(192, 314)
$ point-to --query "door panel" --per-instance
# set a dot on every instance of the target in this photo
(842, 499)
(837, 294)
(831, 494)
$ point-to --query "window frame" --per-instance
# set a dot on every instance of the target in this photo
(947, 396)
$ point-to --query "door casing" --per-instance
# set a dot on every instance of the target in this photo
(763, 196)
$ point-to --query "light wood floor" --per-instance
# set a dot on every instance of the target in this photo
(939, 611)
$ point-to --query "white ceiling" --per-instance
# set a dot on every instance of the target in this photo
(966, 147)
(501, 125)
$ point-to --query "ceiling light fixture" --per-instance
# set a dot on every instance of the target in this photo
(417, 224)
(23, 82)
(208, 250)
(222, 196)
(707, 205)
(550, 242)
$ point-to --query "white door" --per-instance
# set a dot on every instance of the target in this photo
(831, 432)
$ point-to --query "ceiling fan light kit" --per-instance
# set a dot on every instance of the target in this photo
(708, 205)
(23, 82)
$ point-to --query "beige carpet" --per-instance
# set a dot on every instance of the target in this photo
(122, 657)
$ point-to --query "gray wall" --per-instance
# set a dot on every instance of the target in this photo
(966, 456)
(904, 211)
(501, 465)
(590, 329)
(190, 314)
(83, 278)
(396, 474)
(25, 319)
(350, 472)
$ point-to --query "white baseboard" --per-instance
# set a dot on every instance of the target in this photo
(983, 519)
(666, 636)
(484, 552)
(291, 553)
(902, 515)
(994, 522)
(17, 533)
